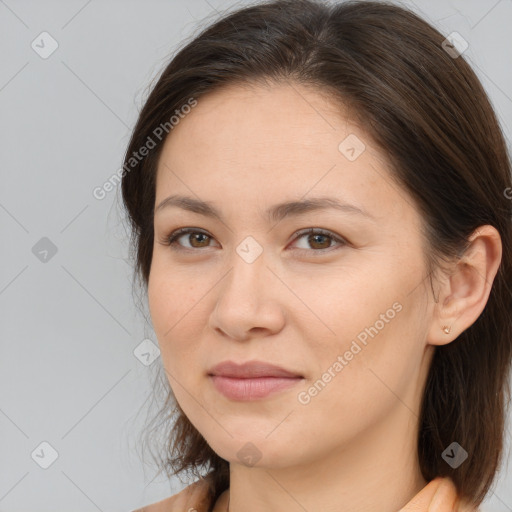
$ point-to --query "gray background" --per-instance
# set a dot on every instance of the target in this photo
(69, 321)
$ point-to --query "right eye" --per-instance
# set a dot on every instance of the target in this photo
(172, 239)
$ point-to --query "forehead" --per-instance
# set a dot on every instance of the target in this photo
(284, 129)
(275, 142)
(276, 116)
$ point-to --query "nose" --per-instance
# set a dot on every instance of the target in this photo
(249, 300)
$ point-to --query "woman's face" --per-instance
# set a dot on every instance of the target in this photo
(346, 309)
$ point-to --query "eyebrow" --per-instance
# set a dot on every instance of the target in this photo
(273, 214)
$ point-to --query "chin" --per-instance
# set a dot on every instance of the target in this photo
(257, 451)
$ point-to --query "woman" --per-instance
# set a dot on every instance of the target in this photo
(321, 221)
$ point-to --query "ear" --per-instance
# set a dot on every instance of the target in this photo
(464, 293)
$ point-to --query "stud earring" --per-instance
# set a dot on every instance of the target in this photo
(447, 329)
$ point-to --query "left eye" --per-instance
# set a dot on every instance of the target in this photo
(319, 239)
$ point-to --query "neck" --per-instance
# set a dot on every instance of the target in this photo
(377, 472)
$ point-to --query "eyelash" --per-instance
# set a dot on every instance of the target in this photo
(171, 240)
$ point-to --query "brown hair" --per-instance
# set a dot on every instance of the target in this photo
(427, 111)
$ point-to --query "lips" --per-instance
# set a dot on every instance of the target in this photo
(251, 370)
(252, 380)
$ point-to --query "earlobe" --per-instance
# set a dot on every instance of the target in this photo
(464, 294)
(447, 329)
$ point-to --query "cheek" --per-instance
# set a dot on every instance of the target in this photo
(160, 301)
(177, 315)
(339, 306)
(172, 298)
(372, 338)
(360, 383)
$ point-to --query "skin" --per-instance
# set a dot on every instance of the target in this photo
(303, 301)
(440, 495)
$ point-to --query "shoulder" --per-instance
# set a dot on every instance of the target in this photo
(439, 495)
(194, 497)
